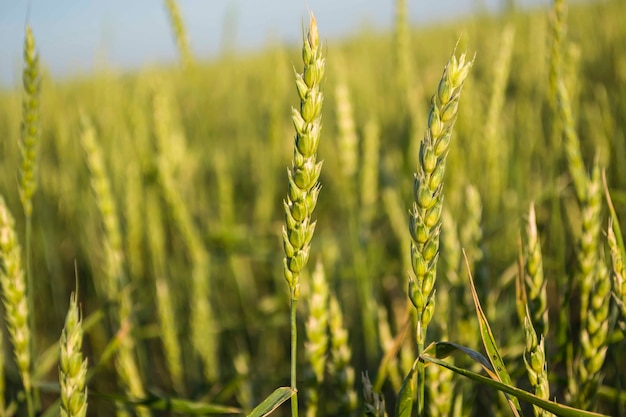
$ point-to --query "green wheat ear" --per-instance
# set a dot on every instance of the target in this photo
(30, 134)
(72, 367)
(14, 297)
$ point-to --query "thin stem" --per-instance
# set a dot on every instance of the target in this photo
(30, 295)
(421, 371)
(294, 351)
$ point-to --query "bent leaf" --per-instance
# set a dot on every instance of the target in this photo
(490, 344)
(555, 408)
(272, 402)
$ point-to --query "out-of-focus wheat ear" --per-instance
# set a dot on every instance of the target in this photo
(30, 137)
(203, 323)
(101, 187)
(571, 143)
(125, 362)
(72, 366)
(2, 386)
(316, 346)
(134, 213)
(14, 298)
(558, 29)
(374, 401)
(115, 277)
(496, 147)
(471, 231)
(347, 141)
(180, 33)
(594, 283)
(619, 272)
(402, 48)
(30, 132)
(370, 165)
(339, 368)
(387, 343)
(534, 279)
(164, 304)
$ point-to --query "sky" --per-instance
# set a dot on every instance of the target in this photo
(74, 36)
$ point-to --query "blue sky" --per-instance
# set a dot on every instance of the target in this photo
(73, 36)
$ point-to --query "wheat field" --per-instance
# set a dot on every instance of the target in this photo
(419, 223)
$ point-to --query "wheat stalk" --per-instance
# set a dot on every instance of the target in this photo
(425, 217)
(72, 367)
(303, 185)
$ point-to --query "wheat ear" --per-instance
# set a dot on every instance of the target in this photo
(316, 347)
(15, 299)
(180, 33)
(425, 217)
(536, 364)
(534, 278)
(339, 364)
(72, 366)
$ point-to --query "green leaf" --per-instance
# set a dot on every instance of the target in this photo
(272, 402)
(442, 350)
(176, 405)
(616, 226)
(490, 345)
(555, 408)
(404, 406)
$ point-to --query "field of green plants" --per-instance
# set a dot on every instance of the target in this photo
(172, 244)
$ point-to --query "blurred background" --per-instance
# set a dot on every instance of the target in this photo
(78, 36)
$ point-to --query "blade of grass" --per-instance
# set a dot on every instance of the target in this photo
(555, 408)
(490, 343)
(271, 403)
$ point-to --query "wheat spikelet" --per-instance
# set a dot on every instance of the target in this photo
(72, 367)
